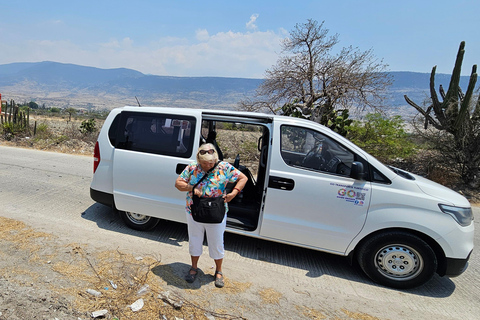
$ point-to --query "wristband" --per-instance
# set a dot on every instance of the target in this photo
(237, 189)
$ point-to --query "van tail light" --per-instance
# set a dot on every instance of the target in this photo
(96, 157)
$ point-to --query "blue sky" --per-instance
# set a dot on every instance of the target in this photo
(232, 38)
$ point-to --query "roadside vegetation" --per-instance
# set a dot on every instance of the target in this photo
(66, 130)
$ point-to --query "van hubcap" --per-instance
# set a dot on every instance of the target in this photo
(137, 218)
(398, 262)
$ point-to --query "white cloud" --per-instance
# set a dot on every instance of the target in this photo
(202, 35)
(114, 43)
(251, 23)
(229, 54)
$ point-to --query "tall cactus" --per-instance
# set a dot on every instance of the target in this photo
(453, 112)
(457, 115)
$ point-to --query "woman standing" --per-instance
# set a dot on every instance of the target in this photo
(213, 185)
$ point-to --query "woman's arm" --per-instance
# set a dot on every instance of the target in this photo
(241, 181)
(184, 186)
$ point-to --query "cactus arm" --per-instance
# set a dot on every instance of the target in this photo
(476, 111)
(437, 106)
(433, 93)
(452, 93)
(450, 103)
(424, 113)
(463, 112)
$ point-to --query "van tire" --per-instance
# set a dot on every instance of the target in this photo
(397, 259)
(138, 221)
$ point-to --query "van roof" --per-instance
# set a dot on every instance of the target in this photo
(202, 111)
(219, 112)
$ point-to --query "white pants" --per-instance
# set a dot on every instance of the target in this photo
(215, 231)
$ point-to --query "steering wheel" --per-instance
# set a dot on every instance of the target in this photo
(332, 165)
(312, 159)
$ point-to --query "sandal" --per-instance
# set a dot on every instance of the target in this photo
(219, 282)
(190, 277)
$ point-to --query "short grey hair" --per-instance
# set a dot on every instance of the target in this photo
(207, 157)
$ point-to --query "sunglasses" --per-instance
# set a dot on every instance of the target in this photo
(210, 151)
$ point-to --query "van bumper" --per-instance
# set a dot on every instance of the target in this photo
(102, 197)
(455, 267)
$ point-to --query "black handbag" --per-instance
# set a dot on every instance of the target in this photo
(207, 209)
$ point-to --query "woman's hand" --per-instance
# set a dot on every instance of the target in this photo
(183, 185)
(229, 196)
(197, 192)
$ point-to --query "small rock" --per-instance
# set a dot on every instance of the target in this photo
(165, 296)
(143, 290)
(114, 286)
(99, 313)
(209, 316)
(94, 292)
(137, 305)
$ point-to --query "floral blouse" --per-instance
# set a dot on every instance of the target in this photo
(214, 184)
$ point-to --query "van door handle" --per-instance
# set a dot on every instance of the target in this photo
(281, 183)
(180, 167)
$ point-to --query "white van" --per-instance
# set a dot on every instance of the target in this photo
(308, 186)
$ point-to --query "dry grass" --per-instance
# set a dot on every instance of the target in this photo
(311, 313)
(76, 269)
(359, 315)
(270, 295)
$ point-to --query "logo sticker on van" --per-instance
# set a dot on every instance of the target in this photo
(350, 195)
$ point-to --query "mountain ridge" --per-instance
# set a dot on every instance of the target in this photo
(70, 85)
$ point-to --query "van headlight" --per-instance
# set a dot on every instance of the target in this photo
(464, 216)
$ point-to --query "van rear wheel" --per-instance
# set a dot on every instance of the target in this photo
(138, 221)
(397, 259)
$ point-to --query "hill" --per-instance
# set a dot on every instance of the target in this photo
(68, 85)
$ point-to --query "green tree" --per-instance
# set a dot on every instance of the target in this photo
(33, 105)
(70, 112)
(312, 82)
(384, 138)
(456, 118)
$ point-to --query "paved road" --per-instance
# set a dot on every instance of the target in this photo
(50, 192)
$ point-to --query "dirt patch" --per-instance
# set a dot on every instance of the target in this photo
(41, 277)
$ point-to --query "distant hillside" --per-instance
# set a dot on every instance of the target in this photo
(61, 85)
(68, 85)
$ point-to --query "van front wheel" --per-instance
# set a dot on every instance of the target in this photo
(138, 221)
(397, 259)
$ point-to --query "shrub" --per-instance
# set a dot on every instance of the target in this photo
(88, 126)
(9, 130)
(383, 138)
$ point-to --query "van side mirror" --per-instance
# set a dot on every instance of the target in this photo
(357, 171)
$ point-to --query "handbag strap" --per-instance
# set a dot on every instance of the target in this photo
(204, 176)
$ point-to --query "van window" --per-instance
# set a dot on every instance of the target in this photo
(156, 133)
(309, 149)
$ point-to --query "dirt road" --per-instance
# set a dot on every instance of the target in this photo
(56, 243)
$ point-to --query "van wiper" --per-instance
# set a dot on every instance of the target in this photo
(402, 173)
